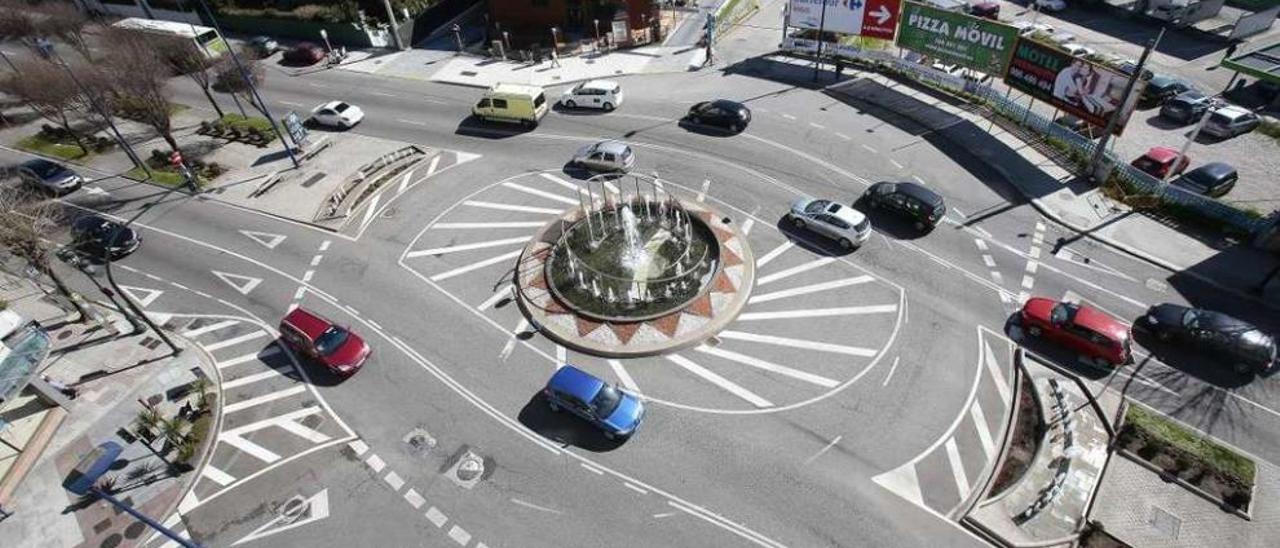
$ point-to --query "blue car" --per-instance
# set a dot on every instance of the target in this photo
(613, 411)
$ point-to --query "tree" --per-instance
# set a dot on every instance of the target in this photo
(28, 219)
(67, 23)
(230, 79)
(16, 23)
(141, 82)
(51, 92)
(189, 59)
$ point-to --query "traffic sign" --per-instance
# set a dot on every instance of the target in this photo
(873, 18)
(175, 158)
(880, 18)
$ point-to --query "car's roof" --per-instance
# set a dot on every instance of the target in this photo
(1190, 95)
(516, 89)
(600, 84)
(1161, 154)
(1232, 110)
(90, 222)
(41, 164)
(920, 192)
(611, 146)
(1096, 320)
(575, 382)
(1213, 171)
(845, 213)
(727, 104)
(310, 323)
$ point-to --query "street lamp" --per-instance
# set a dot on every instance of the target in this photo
(328, 48)
(506, 38)
(83, 481)
(555, 40)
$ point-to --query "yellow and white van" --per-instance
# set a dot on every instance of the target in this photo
(516, 103)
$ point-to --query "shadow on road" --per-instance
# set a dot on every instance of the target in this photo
(564, 428)
(472, 126)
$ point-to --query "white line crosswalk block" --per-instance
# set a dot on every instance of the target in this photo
(957, 467)
(902, 481)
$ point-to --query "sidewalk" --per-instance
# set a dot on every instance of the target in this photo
(111, 373)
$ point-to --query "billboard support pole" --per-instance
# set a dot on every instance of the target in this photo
(822, 29)
(1095, 163)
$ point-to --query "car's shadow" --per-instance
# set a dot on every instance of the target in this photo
(704, 129)
(563, 427)
(582, 174)
(810, 241)
(578, 111)
(1160, 122)
(1217, 372)
(472, 126)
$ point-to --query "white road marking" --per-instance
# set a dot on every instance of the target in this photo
(261, 355)
(411, 122)
(290, 103)
(984, 435)
(404, 182)
(788, 116)
(577, 189)
(298, 429)
(487, 225)
(823, 450)
(306, 276)
(870, 149)
(540, 193)
(895, 163)
(370, 210)
(562, 355)
(211, 347)
(466, 247)
(624, 377)
(324, 246)
(436, 517)
(270, 373)
(661, 515)
(375, 463)
(843, 136)
(217, 476)
(382, 94)
(817, 126)
(819, 312)
(921, 181)
(773, 253)
(267, 239)
(982, 244)
(702, 194)
(892, 369)
(535, 506)
(493, 299)
(358, 447)
(511, 343)
(804, 290)
(252, 449)
(769, 366)
(993, 367)
(477, 265)
(511, 207)
(798, 343)
(147, 297)
(746, 226)
(988, 260)
(394, 480)
(193, 333)
(957, 468)
(459, 535)
(612, 188)
(315, 261)
(265, 398)
(717, 380)
(414, 499)
(794, 270)
(628, 485)
(239, 282)
(1028, 281)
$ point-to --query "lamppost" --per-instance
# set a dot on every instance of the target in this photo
(822, 29)
(457, 36)
(506, 38)
(596, 22)
(83, 481)
(328, 48)
(555, 39)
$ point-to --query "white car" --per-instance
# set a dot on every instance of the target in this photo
(1051, 5)
(1027, 28)
(601, 94)
(337, 114)
(1062, 38)
(1077, 50)
(841, 223)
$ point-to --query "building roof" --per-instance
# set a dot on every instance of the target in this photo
(1262, 63)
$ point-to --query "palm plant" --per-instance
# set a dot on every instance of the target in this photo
(146, 423)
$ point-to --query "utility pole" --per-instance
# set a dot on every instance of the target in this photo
(1095, 163)
(822, 29)
(391, 16)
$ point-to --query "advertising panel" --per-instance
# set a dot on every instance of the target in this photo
(1086, 90)
(874, 18)
(956, 38)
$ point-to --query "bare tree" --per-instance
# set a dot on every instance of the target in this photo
(51, 92)
(230, 79)
(67, 23)
(28, 218)
(141, 82)
(189, 59)
(16, 23)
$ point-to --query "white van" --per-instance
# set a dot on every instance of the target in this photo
(515, 103)
(601, 94)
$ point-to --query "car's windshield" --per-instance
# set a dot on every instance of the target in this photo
(1220, 118)
(817, 206)
(1146, 164)
(1190, 318)
(1256, 343)
(606, 401)
(341, 107)
(331, 339)
(1062, 313)
(48, 169)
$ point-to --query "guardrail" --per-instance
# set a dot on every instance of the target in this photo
(343, 200)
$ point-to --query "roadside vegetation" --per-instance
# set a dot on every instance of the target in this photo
(1180, 452)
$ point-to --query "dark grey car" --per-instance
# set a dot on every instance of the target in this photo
(50, 176)
(1186, 107)
(1213, 179)
(1228, 339)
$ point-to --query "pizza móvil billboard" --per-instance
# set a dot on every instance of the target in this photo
(956, 38)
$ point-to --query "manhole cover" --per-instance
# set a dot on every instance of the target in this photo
(468, 470)
(292, 509)
(389, 213)
(419, 442)
(1165, 522)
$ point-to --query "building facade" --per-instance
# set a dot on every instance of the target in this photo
(530, 22)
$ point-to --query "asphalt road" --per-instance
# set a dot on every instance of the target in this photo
(808, 451)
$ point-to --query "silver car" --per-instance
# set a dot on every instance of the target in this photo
(841, 223)
(1227, 121)
(605, 156)
(50, 176)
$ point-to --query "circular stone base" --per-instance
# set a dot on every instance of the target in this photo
(685, 327)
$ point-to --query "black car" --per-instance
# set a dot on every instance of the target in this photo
(1186, 107)
(263, 46)
(722, 113)
(1161, 88)
(1128, 67)
(921, 206)
(1213, 179)
(1079, 127)
(1246, 347)
(98, 236)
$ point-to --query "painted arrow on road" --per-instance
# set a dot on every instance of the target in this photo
(311, 510)
(241, 283)
(265, 238)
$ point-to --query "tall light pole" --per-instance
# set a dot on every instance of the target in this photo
(391, 17)
(555, 39)
(1095, 163)
(822, 29)
(596, 23)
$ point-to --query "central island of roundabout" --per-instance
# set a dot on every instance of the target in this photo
(634, 271)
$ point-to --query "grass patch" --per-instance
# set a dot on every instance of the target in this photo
(166, 177)
(242, 122)
(40, 145)
(1213, 454)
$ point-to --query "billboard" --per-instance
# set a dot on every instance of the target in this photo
(1086, 90)
(873, 18)
(956, 38)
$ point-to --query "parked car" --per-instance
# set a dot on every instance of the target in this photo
(923, 207)
(1027, 28)
(263, 46)
(98, 237)
(605, 156)
(1227, 121)
(723, 113)
(843, 224)
(986, 10)
(337, 114)
(1213, 179)
(1186, 107)
(305, 53)
(1082, 328)
(615, 412)
(1062, 38)
(49, 176)
(1158, 162)
(602, 94)
(337, 348)
(1161, 88)
(1079, 127)
(1079, 50)
(1051, 6)
(1129, 66)
(1223, 337)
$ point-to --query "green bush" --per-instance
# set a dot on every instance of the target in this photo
(1211, 454)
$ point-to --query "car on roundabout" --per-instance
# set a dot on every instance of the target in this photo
(337, 114)
(730, 116)
(846, 225)
(605, 156)
(99, 237)
(339, 349)
(1096, 335)
(914, 202)
(617, 413)
(1211, 333)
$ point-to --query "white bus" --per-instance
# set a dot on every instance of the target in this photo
(207, 38)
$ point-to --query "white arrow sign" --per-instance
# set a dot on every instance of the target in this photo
(882, 15)
(313, 509)
(143, 296)
(265, 238)
(243, 284)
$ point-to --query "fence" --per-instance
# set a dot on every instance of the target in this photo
(1135, 181)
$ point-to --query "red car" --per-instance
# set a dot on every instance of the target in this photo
(304, 54)
(1157, 162)
(1078, 327)
(339, 349)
